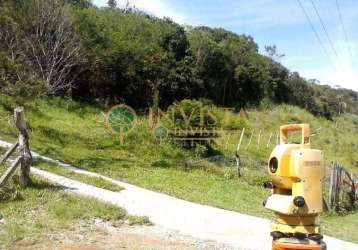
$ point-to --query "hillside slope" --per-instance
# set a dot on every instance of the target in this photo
(76, 133)
(338, 139)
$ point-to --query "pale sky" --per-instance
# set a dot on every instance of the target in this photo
(279, 22)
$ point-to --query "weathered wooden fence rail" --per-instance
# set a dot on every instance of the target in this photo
(24, 159)
(342, 183)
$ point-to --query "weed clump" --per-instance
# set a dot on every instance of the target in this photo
(11, 190)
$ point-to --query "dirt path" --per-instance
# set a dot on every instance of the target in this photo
(202, 222)
(199, 221)
(102, 236)
(237, 230)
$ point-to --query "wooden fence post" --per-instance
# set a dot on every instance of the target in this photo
(331, 186)
(350, 182)
(339, 181)
(237, 153)
(240, 140)
(227, 140)
(24, 149)
(354, 191)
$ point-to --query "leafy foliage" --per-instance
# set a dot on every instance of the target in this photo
(127, 56)
(15, 78)
(189, 114)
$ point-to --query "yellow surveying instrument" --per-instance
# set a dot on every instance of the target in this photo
(296, 173)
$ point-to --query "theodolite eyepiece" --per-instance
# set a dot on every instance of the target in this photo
(296, 171)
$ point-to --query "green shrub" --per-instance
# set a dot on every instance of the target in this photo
(16, 80)
(228, 120)
(189, 114)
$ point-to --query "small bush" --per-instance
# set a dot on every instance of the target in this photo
(16, 80)
(228, 120)
(189, 114)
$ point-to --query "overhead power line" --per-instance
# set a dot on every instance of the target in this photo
(314, 29)
(324, 28)
(344, 30)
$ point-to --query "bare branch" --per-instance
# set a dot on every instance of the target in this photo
(45, 41)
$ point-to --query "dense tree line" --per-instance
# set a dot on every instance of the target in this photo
(110, 55)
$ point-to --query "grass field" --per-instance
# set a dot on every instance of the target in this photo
(76, 133)
(44, 209)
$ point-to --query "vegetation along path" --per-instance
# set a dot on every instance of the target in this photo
(200, 221)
